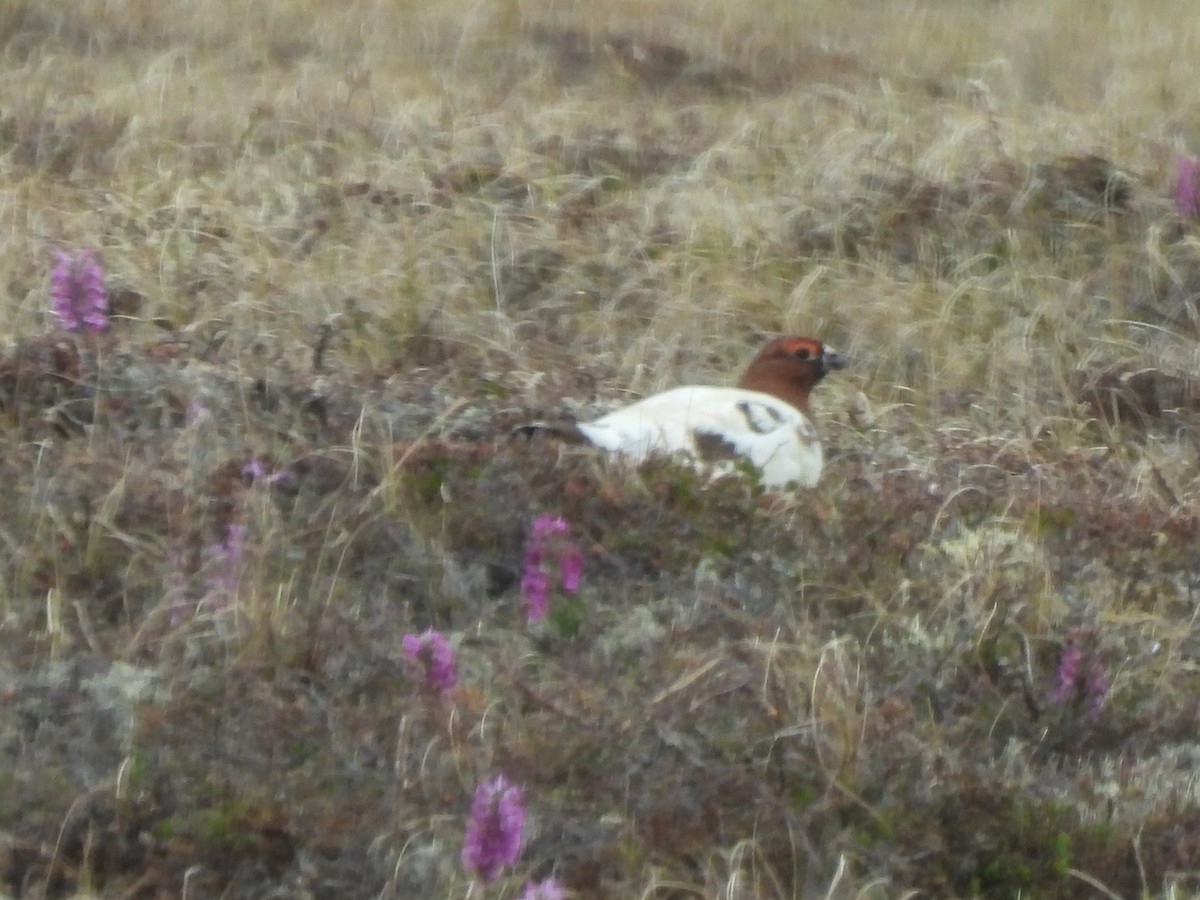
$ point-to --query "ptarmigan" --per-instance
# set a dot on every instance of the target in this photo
(763, 420)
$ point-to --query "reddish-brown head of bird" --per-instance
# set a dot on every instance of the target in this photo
(789, 368)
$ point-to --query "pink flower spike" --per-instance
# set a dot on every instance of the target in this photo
(493, 838)
(432, 651)
(545, 526)
(254, 469)
(223, 568)
(1068, 672)
(1081, 674)
(571, 568)
(197, 413)
(549, 542)
(78, 298)
(535, 586)
(1186, 190)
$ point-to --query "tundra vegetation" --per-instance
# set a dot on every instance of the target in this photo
(276, 619)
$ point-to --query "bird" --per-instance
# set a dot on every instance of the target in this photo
(764, 420)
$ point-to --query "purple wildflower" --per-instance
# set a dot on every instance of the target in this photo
(547, 526)
(431, 650)
(224, 567)
(493, 838)
(197, 413)
(549, 889)
(535, 586)
(1186, 190)
(570, 565)
(549, 542)
(77, 292)
(255, 469)
(1067, 676)
(1080, 674)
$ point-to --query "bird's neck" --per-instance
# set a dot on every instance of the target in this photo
(779, 381)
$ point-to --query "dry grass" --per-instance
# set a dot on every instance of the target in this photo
(358, 242)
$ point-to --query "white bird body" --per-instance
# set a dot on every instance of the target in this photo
(712, 426)
(763, 421)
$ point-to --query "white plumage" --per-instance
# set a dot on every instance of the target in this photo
(714, 425)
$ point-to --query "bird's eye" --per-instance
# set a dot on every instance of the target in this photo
(802, 353)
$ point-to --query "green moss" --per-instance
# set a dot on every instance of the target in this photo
(567, 613)
(425, 484)
(801, 797)
(998, 841)
(224, 829)
(1053, 522)
(1061, 860)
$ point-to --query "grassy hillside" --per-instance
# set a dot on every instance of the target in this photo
(349, 246)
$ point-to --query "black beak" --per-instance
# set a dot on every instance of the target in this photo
(831, 359)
